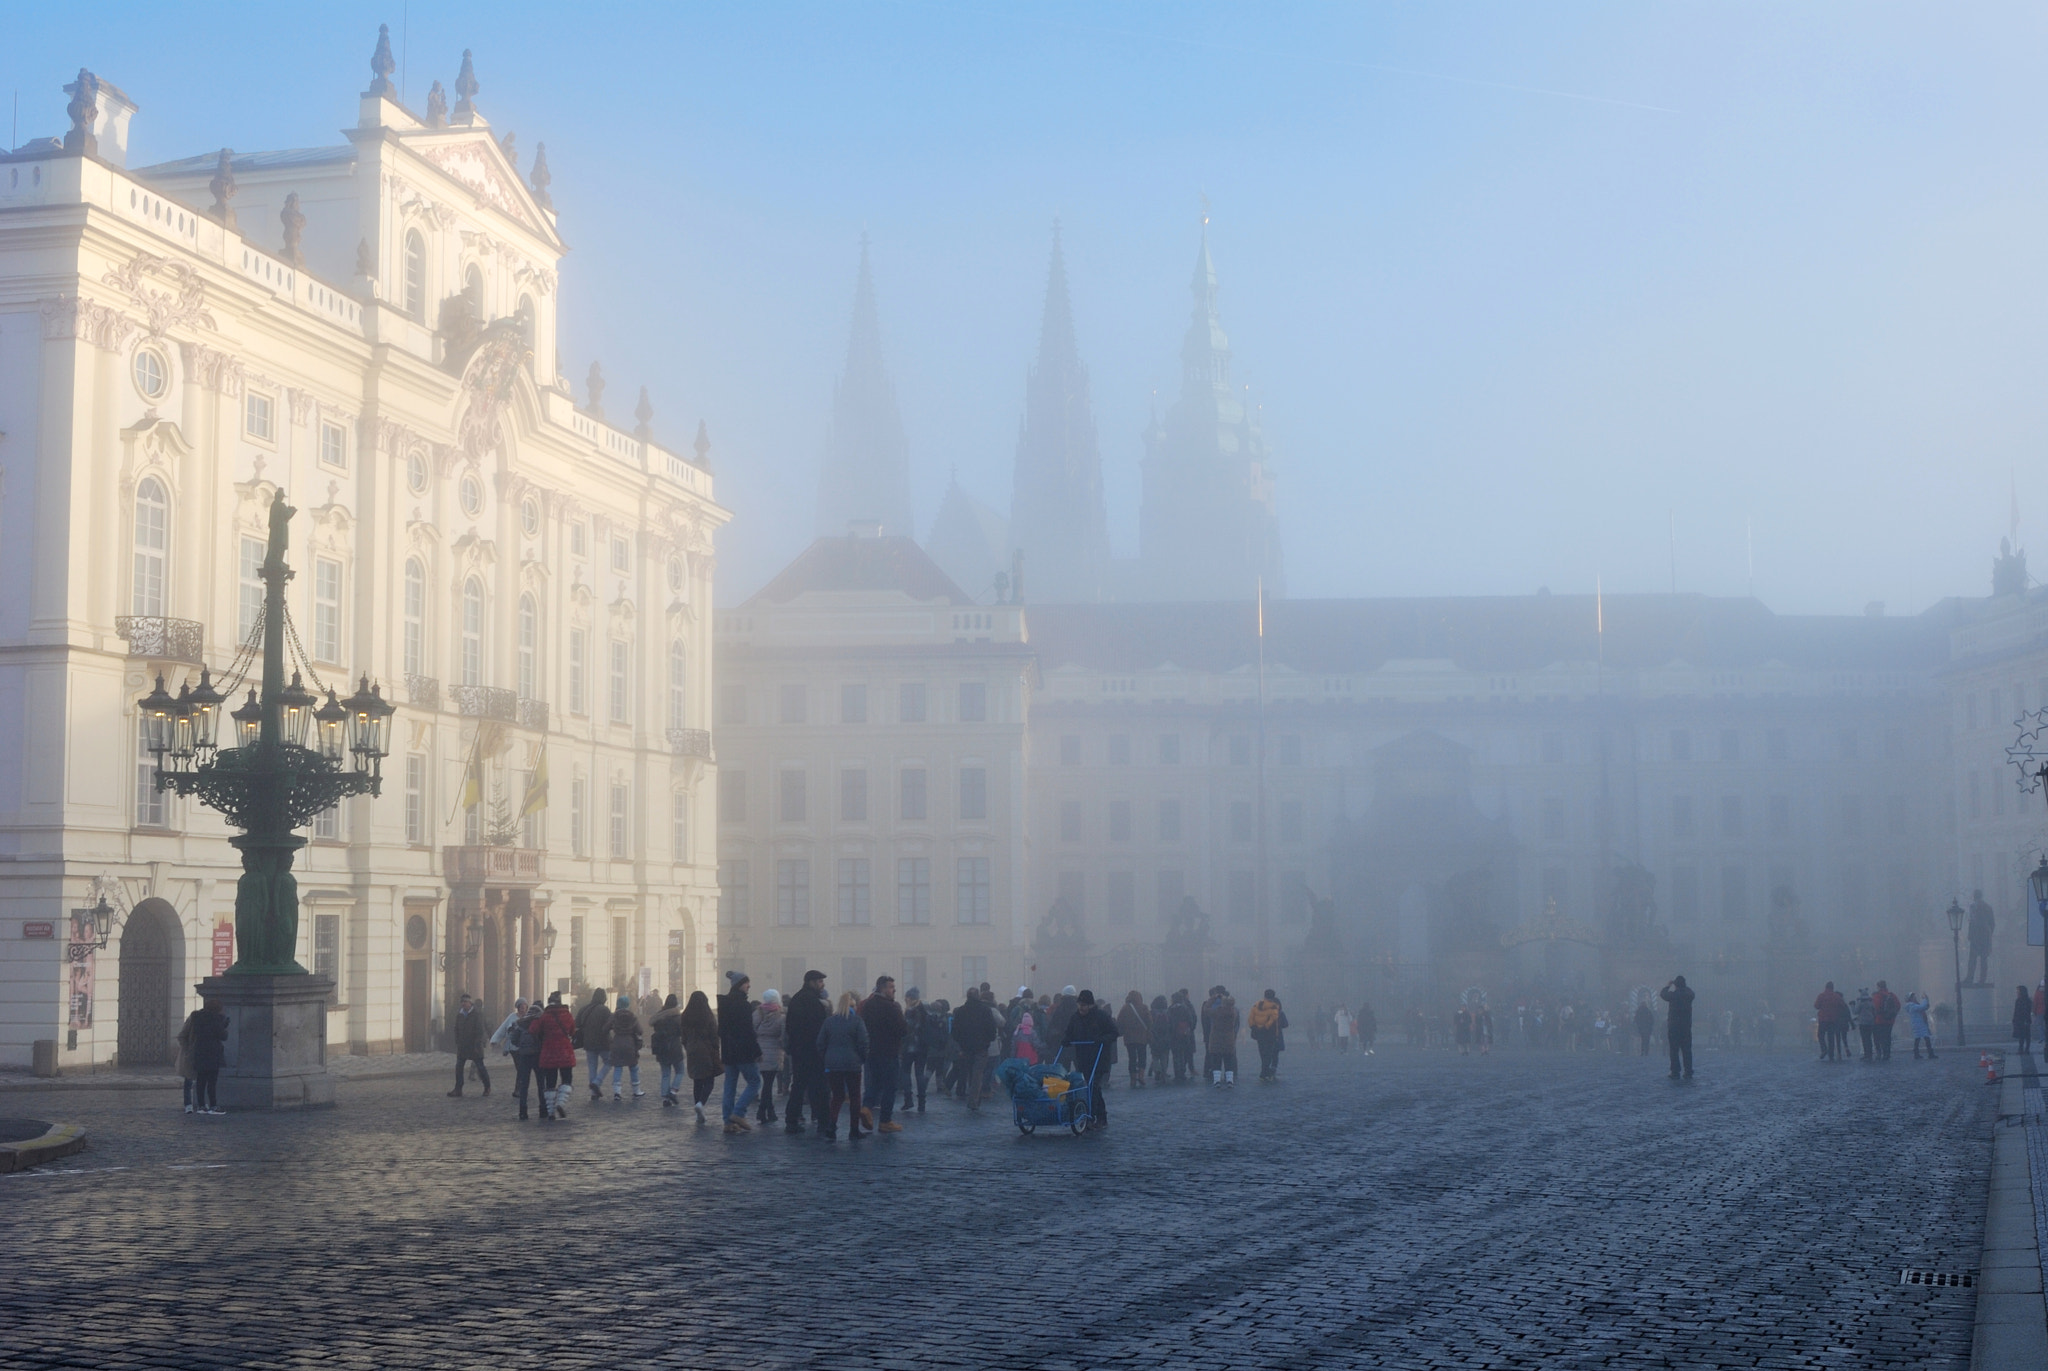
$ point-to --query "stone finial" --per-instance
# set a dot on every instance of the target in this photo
(437, 107)
(702, 446)
(541, 178)
(366, 260)
(381, 65)
(644, 412)
(84, 110)
(223, 187)
(465, 92)
(594, 383)
(509, 145)
(294, 228)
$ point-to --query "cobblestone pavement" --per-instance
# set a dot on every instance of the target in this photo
(340, 1063)
(1418, 1209)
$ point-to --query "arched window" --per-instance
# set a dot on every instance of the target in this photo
(415, 618)
(472, 632)
(473, 287)
(415, 274)
(529, 648)
(152, 547)
(678, 678)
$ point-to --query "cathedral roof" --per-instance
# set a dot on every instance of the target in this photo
(867, 472)
(855, 563)
(968, 539)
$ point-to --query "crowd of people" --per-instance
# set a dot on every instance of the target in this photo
(866, 1057)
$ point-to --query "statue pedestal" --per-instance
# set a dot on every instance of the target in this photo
(1987, 1021)
(277, 1041)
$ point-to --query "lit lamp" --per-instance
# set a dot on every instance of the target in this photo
(369, 725)
(156, 719)
(331, 720)
(205, 703)
(181, 730)
(547, 942)
(1955, 934)
(295, 712)
(248, 721)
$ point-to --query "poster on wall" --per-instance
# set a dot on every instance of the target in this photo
(84, 946)
(223, 946)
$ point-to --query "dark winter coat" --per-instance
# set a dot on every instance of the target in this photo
(1134, 1021)
(556, 1030)
(1181, 1021)
(1052, 1028)
(974, 1027)
(594, 1027)
(1219, 1024)
(667, 1036)
(625, 1035)
(2022, 1015)
(469, 1032)
(844, 1041)
(886, 1029)
(736, 1040)
(209, 1039)
(916, 1020)
(700, 1042)
(807, 1014)
(1090, 1024)
(1678, 1018)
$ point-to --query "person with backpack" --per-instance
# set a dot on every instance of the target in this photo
(1866, 1023)
(740, 1049)
(2023, 1019)
(623, 1056)
(1134, 1022)
(844, 1046)
(1220, 1022)
(769, 1026)
(1268, 1024)
(522, 1040)
(594, 1036)
(557, 1033)
(501, 1038)
(665, 1033)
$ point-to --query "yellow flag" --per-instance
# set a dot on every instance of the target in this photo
(536, 786)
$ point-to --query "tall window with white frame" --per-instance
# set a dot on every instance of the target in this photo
(415, 617)
(152, 806)
(327, 824)
(579, 814)
(472, 632)
(579, 653)
(152, 549)
(734, 892)
(249, 590)
(971, 890)
(853, 903)
(327, 953)
(416, 799)
(793, 892)
(416, 275)
(529, 648)
(621, 681)
(679, 825)
(326, 610)
(333, 446)
(678, 675)
(913, 890)
(619, 826)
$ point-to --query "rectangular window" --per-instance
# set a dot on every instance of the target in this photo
(327, 952)
(974, 793)
(1070, 821)
(1685, 894)
(622, 681)
(853, 974)
(1731, 816)
(913, 890)
(1290, 821)
(622, 949)
(973, 702)
(326, 610)
(973, 971)
(579, 535)
(618, 822)
(732, 703)
(1240, 821)
(1169, 821)
(415, 799)
(249, 603)
(1119, 749)
(971, 890)
(913, 796)
(1681, 745)
(334, 446)
(793, 892)
(853, 704)
(1243, 897)
(913, 975)
(1734, 894)
(1681, 817)
(734, 893)
(679, 826)
(259, 416)
(1778, 745)
(795, 704)
(1241, 750)
(795, 803)
(1119, 812)
(1553, 817)
(1120, 897)
(732, 797)
(1070, 749)
(1172, 888)
(910, 702)
(152, 806)
(622, 555)
(327, 824)
(532, 830)
(853, 795)
(579, 809)
(579, 651)
(1169, 749)
(472, 825)
(1731, 745)
(854, 905)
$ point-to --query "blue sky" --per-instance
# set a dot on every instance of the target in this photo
(1529, 295)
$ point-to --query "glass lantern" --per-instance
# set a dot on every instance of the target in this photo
(248, 721)
(180, 752)
(156, 719)
(206, 703)
(295, 712)
(369, 726)
(332, 720)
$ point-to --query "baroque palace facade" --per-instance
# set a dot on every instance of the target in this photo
(369, 329)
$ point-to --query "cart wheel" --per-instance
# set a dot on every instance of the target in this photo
(1080, 1123)
(1026, 1127)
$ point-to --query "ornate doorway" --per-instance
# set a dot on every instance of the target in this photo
(149, 948)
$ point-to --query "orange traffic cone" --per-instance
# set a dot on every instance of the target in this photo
(1985, 1065)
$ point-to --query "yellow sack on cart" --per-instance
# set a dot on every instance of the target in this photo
(1055, 1087)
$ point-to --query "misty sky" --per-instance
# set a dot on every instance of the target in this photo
(1518, 287)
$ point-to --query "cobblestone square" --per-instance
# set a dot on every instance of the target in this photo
(1413, 1209)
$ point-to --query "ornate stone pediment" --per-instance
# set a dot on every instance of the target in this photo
(74, 316)
(184, 303)
(473, 163)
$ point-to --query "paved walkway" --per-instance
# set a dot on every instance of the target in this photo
(346, 1067)
(1417, 1209)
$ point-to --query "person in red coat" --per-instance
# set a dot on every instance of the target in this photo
(556, 1029)
(1831, 1016)
(1887, 1007)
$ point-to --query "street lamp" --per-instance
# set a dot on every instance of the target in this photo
(2039, 882)
(547, 942)
(1955, 934)
(271, 782)
(102, 921)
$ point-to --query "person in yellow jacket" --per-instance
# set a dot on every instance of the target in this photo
(1267, 1024)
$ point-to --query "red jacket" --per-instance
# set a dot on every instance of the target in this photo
(1886, 1006)
(1830, 1007)
(557, 1030)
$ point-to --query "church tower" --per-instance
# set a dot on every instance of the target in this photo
(866, 477)
(1205, 523)
(1057, 519)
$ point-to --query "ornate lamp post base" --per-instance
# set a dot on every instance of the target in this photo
(277, 1040)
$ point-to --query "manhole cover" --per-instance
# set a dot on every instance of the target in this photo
(1952, 1280)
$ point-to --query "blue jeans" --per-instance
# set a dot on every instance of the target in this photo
(619, 1077)
(597, 1065)
(672, 1078)
(880, 1093)
(752, 1072)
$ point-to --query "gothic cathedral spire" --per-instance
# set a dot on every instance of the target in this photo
(1057, 519)
(866, 475)
(1206, 526)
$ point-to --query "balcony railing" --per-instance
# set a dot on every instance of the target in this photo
(423, 692)
(485, 702)
(480, 865)
(160, 639)
(533, 713)
(690, 742)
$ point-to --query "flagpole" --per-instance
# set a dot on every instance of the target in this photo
(1264, 948)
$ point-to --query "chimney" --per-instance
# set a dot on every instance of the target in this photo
(111, 127)
(863, 528)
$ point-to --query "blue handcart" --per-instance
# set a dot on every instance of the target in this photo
(1073, 1109)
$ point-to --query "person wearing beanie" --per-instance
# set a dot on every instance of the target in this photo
(1090, 1034)
(740, 1049)
(594, 1036)
(769, 1021)
(624, 1055)
(665, 1031)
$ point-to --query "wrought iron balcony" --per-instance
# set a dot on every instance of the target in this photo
(424, 692)
(485, 702)
(690, 742)
(160, 639)
(483, 865)
(533, 713)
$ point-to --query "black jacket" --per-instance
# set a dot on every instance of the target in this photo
(886, 1029)
(808, 1011)
(469, 1032)
(1089, 1024)
(1678, 1019)
(737, 1044)
(974, 1027)
(209, 1040)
